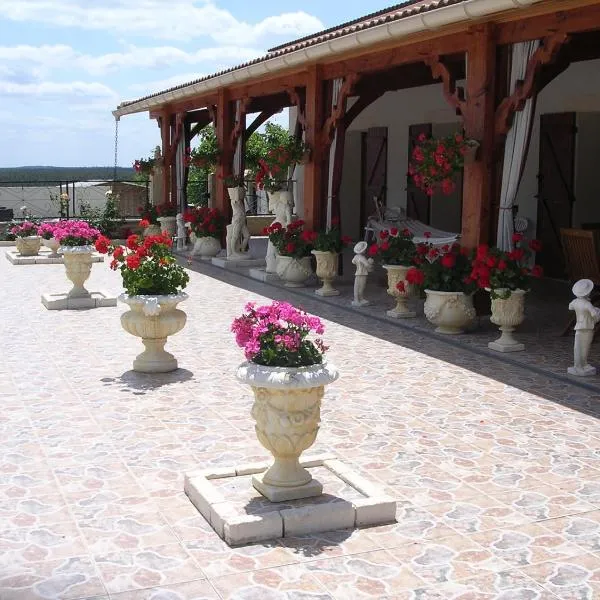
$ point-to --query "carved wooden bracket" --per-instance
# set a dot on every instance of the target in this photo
(240, 120)
(296, 101)
(455, 96)
(179, 126)
(339, 110)
(525, 89)
(212, 111)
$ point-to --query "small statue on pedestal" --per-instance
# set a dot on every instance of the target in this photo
(364, 266)
(587, 317)
(180, 232)
(237, 232)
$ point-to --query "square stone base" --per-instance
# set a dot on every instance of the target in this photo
(237, 263)
(62, 302)
(506, 348)
(262, 275)
(43, 258)
(240, 515)
(281, 494)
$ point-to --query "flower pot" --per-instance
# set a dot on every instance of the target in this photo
(450, 311)
(168, 225)
(152, 230)
(508, 313)
(28, 246)
(294, 271)
(287, 411)
(54, 245)
(327, 266)
(206, 246)
(153, 318)
(395, 274)
(78, 264)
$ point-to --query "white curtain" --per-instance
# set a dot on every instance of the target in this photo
(337, 86)
(517, 142)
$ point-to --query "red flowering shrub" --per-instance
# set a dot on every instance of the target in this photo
(394, 247)
(147, 266)
(144, 166)
(292, 240)
(445, 269)
(205, 222)
(435, 162)
(332, 240)
(273, 169)
(495, 269)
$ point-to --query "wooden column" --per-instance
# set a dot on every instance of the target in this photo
(165, 134)
(224, 124)
(314, 184)
(479, 125)
(172, 164)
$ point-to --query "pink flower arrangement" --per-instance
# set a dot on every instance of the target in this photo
(75, 233)
(276, 335)
(25, 229)
(46, 230)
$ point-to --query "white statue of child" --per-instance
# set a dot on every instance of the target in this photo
(364, 266)
(587, 317)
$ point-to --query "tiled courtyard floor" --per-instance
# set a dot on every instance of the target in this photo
(494, 466)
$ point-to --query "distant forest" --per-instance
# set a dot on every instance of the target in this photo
(34, 175)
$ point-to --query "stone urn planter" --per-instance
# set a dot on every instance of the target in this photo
(395, 274)
(152, 230)
(206, 246)
(327, 266)
(28, 246)
(294, 271)
(168, 225)
(508, 312)
(287, 412)
(53, 244)
(153, 318)
(78, 264)
(452, 312)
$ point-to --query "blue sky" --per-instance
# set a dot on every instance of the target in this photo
(65, 64)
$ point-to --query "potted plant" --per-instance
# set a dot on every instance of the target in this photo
(396, 251)
(27, 238)
(293, 245)
(153, 283)
(506, 276)
(166, 215)
(206, 226)
(46, 232)
(76, 239)
(328, 244)
(444, 273)
(287, 374)
(149, 220)
(436, 161)
(144, 166)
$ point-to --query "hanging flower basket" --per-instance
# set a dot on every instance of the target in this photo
(436, 161)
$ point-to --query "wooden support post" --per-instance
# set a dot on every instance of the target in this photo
(479, 125)
(314, 188)
(172, 164)
(224, 124)
(165, 133)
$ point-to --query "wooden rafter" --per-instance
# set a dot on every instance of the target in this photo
(263, 117)
(338, 111)
(546, 54)
(363, 101)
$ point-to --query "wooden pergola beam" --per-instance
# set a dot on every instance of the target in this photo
(263, 117)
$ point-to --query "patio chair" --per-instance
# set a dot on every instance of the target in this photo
(580, 250)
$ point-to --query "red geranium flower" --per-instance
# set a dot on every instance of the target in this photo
(415, 276)
(448, 260)
(517, 237)
(144, 223)
(535, 245)
(133, 261)
(537, 271)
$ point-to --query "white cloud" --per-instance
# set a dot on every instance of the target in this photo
(50, 89)
(176, 19)
(163, 84)
(48, 57)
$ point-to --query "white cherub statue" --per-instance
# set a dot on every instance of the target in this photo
(587, 317)
(364, 266)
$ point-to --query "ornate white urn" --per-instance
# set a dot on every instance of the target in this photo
(29, 246)
(53, 244)
(450, 311)
(287, 411)
(153, 318)
(206, 246)
(508, 312)
(168, 225)
(327, 265)
(294, 271)
(396, 274)
(152, 229)
(280, 203)
(78, 264)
